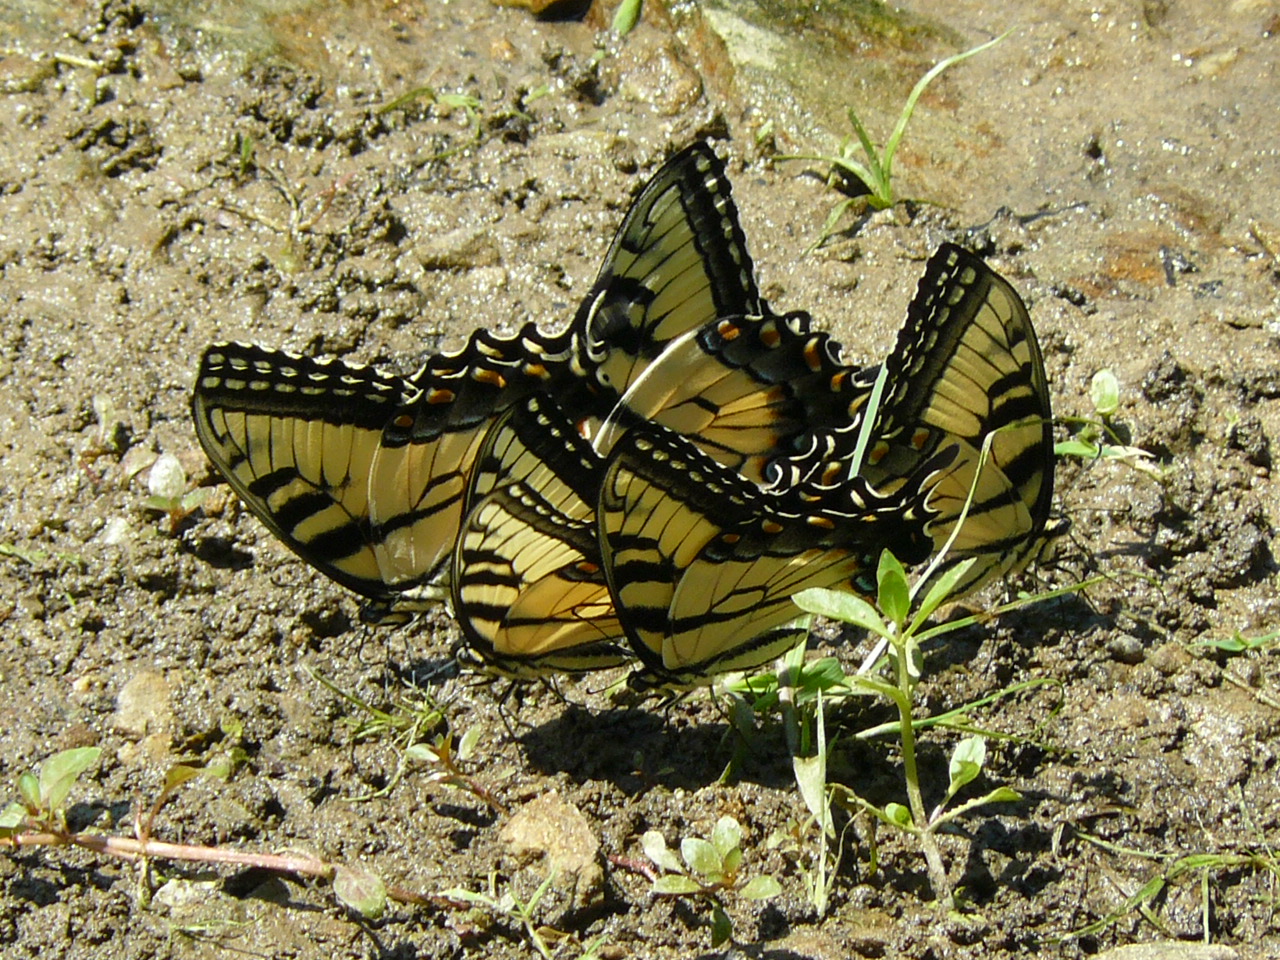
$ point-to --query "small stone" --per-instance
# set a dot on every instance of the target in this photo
(1126, 649)
(142, 706)
(552, 830)
(458, 249)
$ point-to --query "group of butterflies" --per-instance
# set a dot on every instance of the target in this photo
(656, 481)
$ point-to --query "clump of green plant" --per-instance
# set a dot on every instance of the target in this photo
(1103, 438)
(875, 171)
(524, 912)
(170, 491)
(406, 724)
(708, 869)
(903, 633)
(38, 818)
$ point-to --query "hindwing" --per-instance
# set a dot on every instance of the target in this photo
(528, 588)
(967, 370)
(702, 565)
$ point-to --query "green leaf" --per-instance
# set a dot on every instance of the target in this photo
(1077, 448)
(733, 860)
(423, 752)
(1002, 795)
(894, 594)
(177, 775)
(898, 814)
(655, 848)
(467, 745)
(760, 888)
(915, 659)
(626, 16)
(701, 856)
(676, 885)
(966, 762)
(1104, 391)
(938, 593)
(362, 890)
(842, 606)
(726, 835)
(12, 818)
(721, 928)
(811, 778)
(1238, 642)
(167, 480)
(29, 791)
(59, 773)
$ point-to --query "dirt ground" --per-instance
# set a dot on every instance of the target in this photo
(173, 175)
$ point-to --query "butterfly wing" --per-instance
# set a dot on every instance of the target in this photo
(528, 588)
(296, 439)
(702, 565)
(360, 473)
(967, 367)
(678, 261)
(743, 389)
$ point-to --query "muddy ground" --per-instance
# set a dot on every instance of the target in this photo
(170, 176)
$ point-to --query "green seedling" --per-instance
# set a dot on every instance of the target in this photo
(875, 170)
(43, 796)
(446, 758)
(902, 633)
(1238, 643)
(508, 905)
(1101, 439)
(406, 724)
(626, 17)
(170, 491)
(38, 819)
(708, 869)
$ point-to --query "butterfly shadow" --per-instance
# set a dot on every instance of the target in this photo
(638, 748)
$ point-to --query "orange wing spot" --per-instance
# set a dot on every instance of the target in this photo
(769, 335)
(839, 380)
(589, 568)
(491, 376)
(812, 355)
(823, 522)
(877, 452)
(583, 427)
(441, 396)
(536, 370)
(403, 422)
(728, 330)
(731, 538)
(831, 474)
(920, 437)
(770, 526)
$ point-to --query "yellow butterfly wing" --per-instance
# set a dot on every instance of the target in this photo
(528, 588)
(702, 565)
(678, 261)
(362, 474)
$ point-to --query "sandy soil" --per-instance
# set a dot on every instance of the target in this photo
(170, 177)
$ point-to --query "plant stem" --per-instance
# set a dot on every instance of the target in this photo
(129, 848)
(932, 855)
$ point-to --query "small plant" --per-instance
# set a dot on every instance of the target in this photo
(875, 172)
(406, 723)
(1101, 439)
(1238, 643)
(39, 819)
(707, 868)
(903, 634)
(170, 494)
(507, 904)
